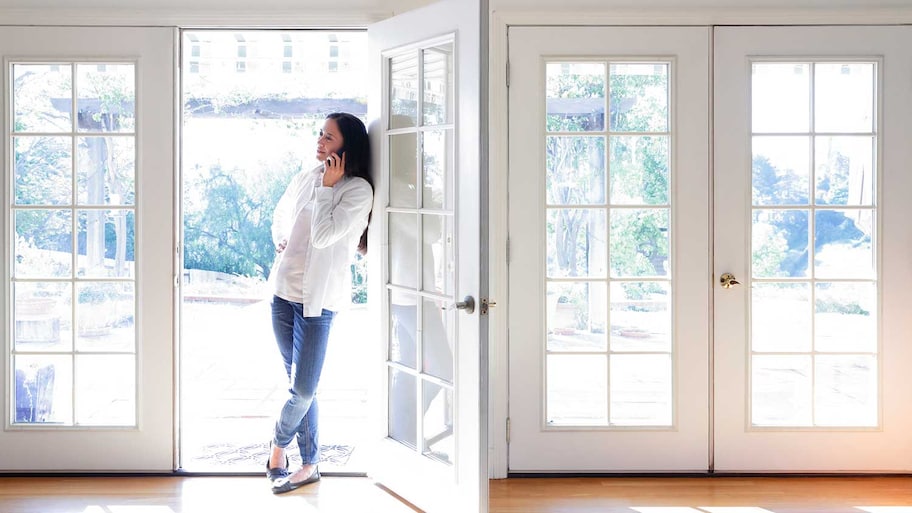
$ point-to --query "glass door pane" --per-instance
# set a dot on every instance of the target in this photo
(422, 251)
(608, 229)
(812, 254)
(74, 152)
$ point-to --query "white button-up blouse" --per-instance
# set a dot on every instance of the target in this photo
(322, 226)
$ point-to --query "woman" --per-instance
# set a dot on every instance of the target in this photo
(316, 227)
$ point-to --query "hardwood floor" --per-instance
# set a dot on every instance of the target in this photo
(169, 494)
(704, 495)
(532, 495)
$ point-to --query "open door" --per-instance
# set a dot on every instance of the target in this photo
(427, 255)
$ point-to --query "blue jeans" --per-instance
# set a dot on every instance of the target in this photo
(302, 343)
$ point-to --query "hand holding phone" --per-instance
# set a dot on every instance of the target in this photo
(333, 169)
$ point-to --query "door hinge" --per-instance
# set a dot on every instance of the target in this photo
(508, 250)
(508, 73)
(508, 430)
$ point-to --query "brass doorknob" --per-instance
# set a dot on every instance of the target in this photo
(728, 280)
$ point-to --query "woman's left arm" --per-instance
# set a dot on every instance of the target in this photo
(332, 222)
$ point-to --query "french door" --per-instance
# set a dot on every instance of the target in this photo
(609, 249)
(610, 252)
(812, 174)
(426, 257)
(88, 277)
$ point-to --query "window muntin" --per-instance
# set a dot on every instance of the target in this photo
(609, 350)
(814, 287)
(74, 351)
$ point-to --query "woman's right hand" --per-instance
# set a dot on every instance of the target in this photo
(280, 247)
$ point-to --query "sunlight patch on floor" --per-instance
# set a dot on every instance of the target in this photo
(885, 509)
(701, 509)
(665, 509)
(128, 509)
(735, 509)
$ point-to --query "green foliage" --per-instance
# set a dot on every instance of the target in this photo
(769, 250)
(638, 102)
(114, 92)
(640, 290)
(577, 170)
(229, 230)
(639, 169)
(44, 164)
(359, 279)
(579, 298)
(639, 243)
(96, 293)
(775, 187)
(42, 171)
(780, 236)
(846, 308)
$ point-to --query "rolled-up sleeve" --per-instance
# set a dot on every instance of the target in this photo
(332, 220)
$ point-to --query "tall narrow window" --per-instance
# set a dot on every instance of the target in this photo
(287, 54)
(608, 217)
(195, 55)
(240, 64)
(73, 217)
(333, 63)
(814, 293)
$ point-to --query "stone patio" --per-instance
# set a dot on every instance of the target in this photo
(233, 385)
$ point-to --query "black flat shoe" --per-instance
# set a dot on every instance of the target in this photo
(274, 474)
(285, 485)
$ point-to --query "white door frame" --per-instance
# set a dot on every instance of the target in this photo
(498, 142)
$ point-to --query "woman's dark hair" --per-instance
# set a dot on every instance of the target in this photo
(356, 146)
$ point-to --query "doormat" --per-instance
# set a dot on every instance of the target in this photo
(256, 454)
